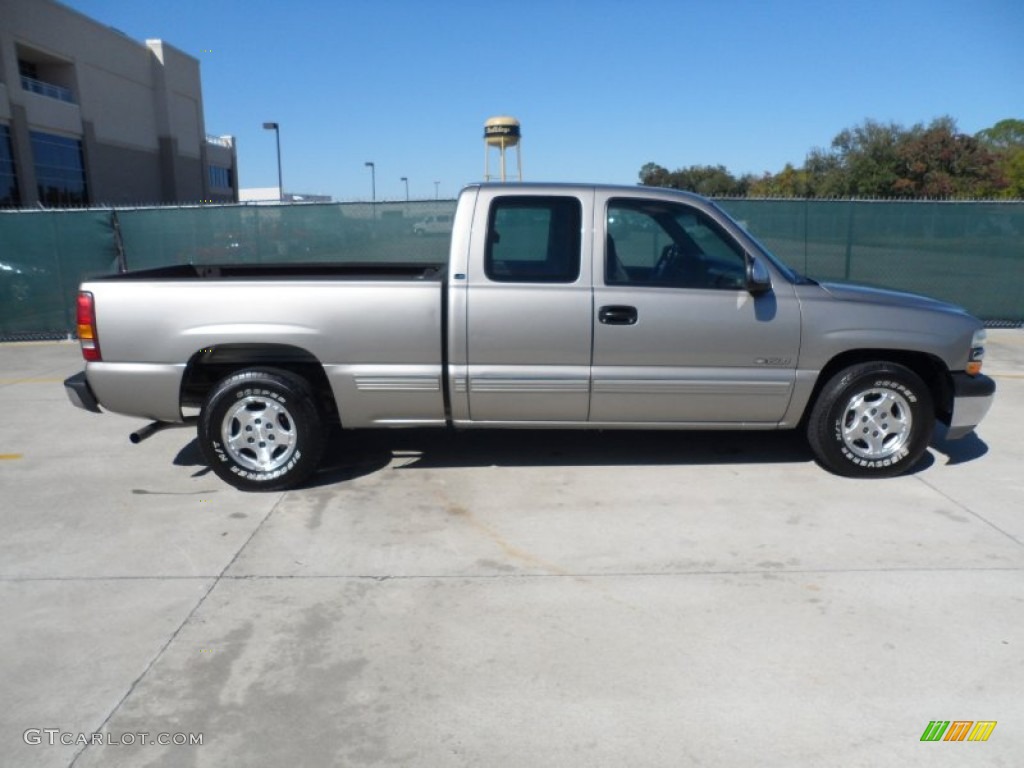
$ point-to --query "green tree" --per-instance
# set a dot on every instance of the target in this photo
(789, 182)
(1006, 141)
(1012, 167)
(709, 180)
(868, 155)
(1006, 134)
(938, 161)
(876, 159)
(653, 175)
(826, 176)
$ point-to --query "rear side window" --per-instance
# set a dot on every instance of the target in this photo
(534, 240)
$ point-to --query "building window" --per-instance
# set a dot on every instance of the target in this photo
(31, 80)
(9, 196)
(28, 69)
(220, 177)
(60, 170)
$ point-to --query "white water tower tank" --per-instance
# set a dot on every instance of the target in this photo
(501, 132)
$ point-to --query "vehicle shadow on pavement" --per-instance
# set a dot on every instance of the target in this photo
(191, 456)
(341, 462)
(547, 448)
(350, 455)
(959, 451)
(354, 454)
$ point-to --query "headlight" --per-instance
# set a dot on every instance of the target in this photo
(977, 355)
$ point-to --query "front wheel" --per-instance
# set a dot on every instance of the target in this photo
(260, 430)
(871, 420)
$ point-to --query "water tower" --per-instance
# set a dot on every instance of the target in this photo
(501, 132)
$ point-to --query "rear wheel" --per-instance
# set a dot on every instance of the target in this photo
(871, 420)
(260, 430)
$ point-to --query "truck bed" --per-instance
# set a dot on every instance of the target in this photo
(311, 270)
(376, 330)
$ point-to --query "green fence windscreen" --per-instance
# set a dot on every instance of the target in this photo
(341, 233)
(969, 253)
(43, 257)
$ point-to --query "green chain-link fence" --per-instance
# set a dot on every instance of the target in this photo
(969, 253)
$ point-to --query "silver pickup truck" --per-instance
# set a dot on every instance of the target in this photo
(561, 306)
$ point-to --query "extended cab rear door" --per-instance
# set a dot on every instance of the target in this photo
(677, 337)
(529, 306)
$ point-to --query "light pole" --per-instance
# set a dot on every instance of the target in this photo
(406, 180)
(436, 184)
(277, 133)
(373, 180)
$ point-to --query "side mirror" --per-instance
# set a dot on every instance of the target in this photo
(759, 280)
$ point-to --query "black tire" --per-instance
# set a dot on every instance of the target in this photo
(260, 430)
(871, 420)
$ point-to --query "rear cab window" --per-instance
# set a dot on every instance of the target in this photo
(534, 239)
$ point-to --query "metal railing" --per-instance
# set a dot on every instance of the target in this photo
(47, 89)
(220, 141)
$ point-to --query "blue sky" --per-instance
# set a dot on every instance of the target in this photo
(600, 87)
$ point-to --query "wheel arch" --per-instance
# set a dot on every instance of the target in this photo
(931, 369)
(210, 365)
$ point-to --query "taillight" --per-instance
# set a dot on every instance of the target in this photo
(87, 335)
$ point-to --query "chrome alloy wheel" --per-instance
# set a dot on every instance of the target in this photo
(259, 433)
(877, 423)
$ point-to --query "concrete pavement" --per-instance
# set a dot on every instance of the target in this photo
(504, 599)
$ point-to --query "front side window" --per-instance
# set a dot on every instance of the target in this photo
(671, 245)
(60, 170)
(534, 240)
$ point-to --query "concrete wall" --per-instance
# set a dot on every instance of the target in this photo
(120, 174)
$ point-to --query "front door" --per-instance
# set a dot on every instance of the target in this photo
(677, 336)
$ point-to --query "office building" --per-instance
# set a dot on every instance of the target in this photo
(89, 116)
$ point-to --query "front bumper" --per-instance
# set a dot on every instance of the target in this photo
(972, 397)
(80, 393)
